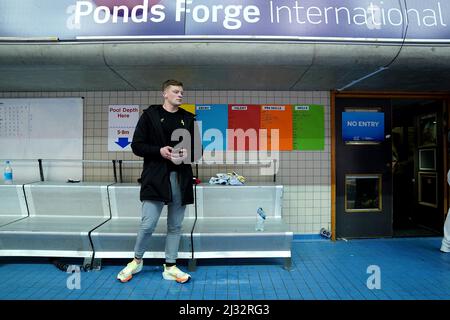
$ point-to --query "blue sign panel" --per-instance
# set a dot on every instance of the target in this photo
(363, 126)
(214, 120)
(364, 20)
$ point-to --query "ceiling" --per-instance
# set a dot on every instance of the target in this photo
(222, 65)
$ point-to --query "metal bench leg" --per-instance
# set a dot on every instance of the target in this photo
(97, 264)
(192, 265)
(90, 264)
(288, 264)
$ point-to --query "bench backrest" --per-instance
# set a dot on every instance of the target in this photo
(12, 201)
(53, 199)
(125, 203)
(218, 201)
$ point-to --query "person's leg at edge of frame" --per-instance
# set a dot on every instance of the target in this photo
(445, 247)
(175, 217)
(151, 211)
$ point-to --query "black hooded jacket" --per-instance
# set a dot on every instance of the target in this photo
(148, 139)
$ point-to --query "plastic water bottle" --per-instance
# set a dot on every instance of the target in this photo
(8, 173)
(260, 218)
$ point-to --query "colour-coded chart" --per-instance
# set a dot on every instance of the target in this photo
(277, 118)
(308, 127)
(244, 123)
(214, 124)
(250, 127)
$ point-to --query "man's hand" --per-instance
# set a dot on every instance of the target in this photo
(179, 155)
(166, 152)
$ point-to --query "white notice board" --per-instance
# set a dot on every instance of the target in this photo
(42, 128)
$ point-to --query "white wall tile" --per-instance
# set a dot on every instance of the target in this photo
(305, 174)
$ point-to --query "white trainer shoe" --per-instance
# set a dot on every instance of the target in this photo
(127, 273)
(173, 273)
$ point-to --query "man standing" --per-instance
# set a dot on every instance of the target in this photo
(166, 177)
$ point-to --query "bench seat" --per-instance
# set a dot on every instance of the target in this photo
(237, 238)
(61, 216)
(117, 237)
(5, 220)
(13, 205)
(49, 236)
(226, 219)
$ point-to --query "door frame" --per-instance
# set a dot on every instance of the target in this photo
(444, 96)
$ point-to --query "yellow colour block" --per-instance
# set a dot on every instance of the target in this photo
(188, 107)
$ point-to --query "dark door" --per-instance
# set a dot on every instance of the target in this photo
(363, 168)
(429, 167)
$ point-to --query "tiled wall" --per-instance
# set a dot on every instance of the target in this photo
(305, 174)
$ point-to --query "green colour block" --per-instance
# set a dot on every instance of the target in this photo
(308, 127)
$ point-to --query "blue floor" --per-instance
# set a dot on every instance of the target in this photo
(409, 268)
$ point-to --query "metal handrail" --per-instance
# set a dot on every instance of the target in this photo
(121, 162)
(41, 169)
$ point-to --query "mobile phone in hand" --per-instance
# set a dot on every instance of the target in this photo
(177, 151)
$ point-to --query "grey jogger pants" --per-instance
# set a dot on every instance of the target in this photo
(151, 211)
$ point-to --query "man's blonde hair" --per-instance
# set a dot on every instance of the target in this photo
(171, 82)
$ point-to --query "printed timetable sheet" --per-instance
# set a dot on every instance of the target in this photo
(42, 128)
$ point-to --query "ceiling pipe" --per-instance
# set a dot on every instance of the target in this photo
(363, 78)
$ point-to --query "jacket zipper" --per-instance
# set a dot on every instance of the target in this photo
(170, 185)
(161, 133)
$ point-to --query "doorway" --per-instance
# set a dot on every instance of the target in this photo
(389, 179)
(417, 167)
